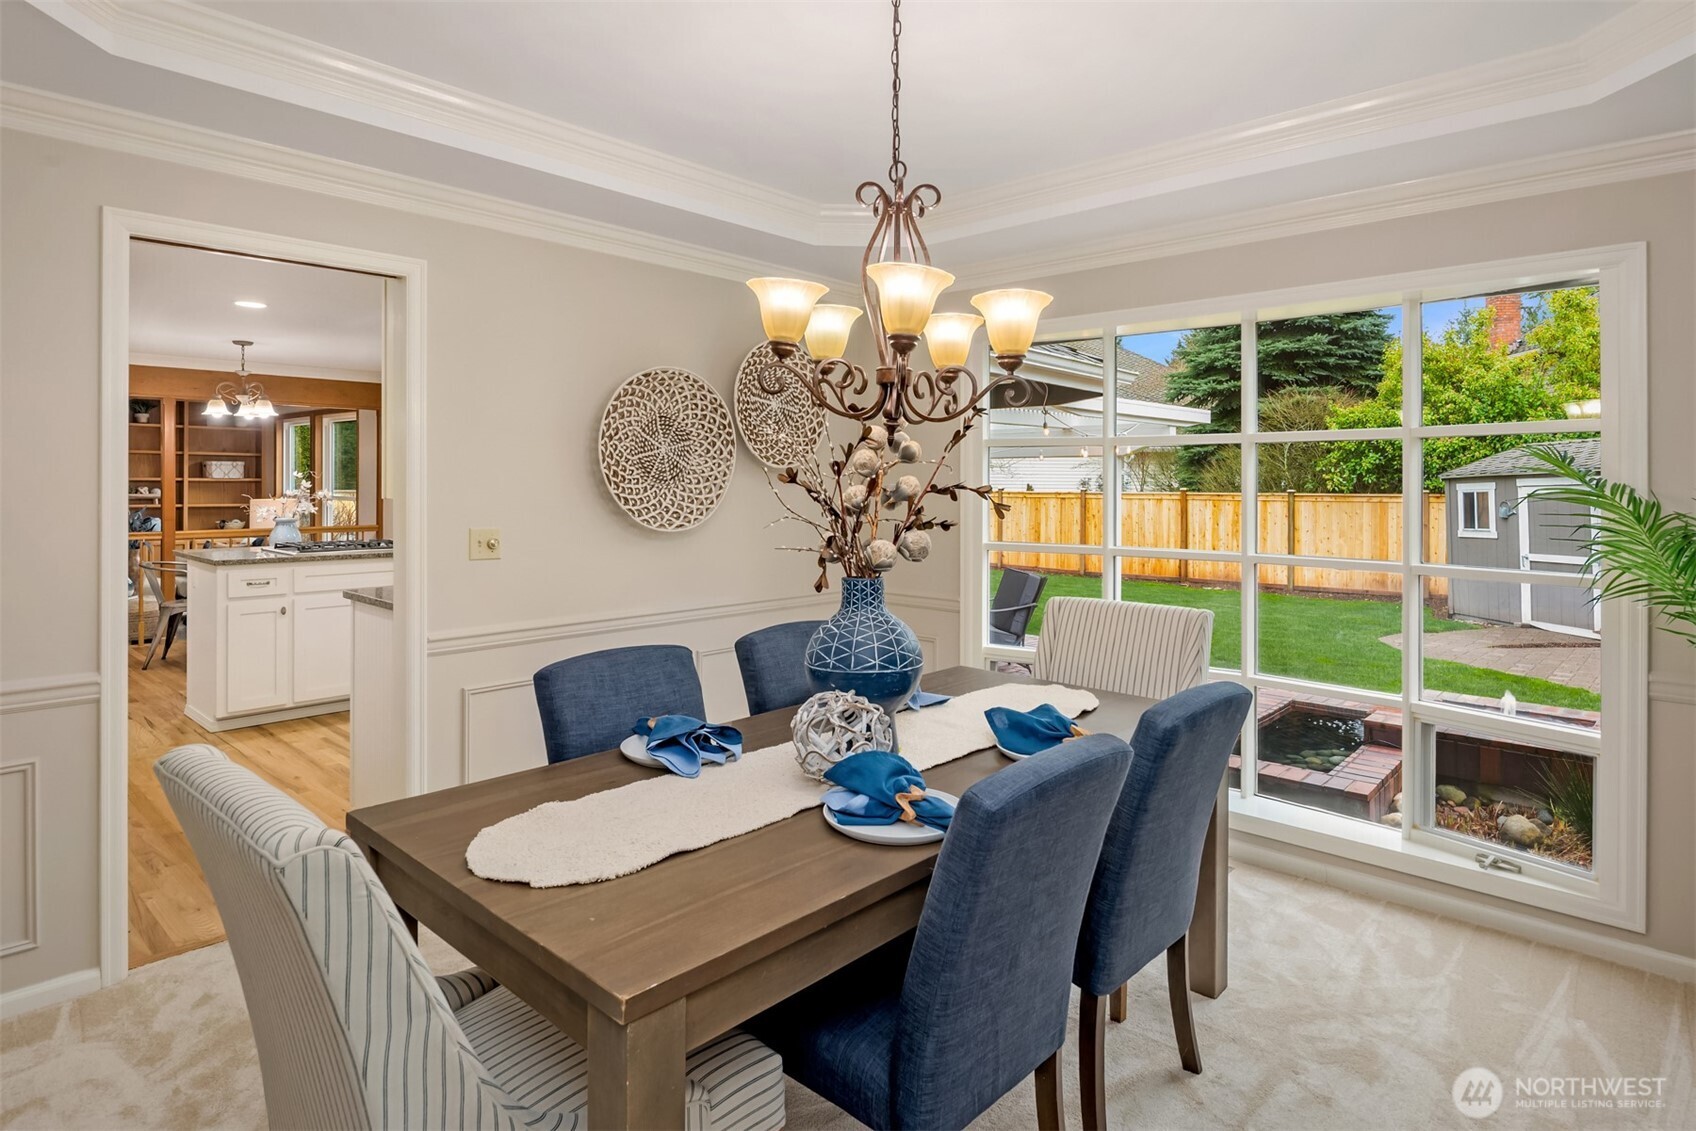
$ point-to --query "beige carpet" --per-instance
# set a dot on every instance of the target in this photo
(1343, 1012)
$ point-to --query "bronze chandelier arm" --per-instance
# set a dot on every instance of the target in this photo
(949, 393)
(833, 381)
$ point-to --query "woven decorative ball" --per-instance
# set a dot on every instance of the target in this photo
(776, 415)
(667, 448)
(834, 724)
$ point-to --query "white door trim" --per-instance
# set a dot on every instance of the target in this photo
(1524, 487)
(403, 443)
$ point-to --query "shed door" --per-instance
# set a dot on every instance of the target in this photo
(1551, 541)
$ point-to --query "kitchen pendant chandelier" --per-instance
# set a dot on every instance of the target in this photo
(900, 288)
(246, 401)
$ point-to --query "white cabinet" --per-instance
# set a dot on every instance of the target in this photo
(272, 640)
(323, 647)
(258, 661)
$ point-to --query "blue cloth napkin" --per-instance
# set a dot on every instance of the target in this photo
(875, 787)
(683, 742)
(922, 698)
(1031, 732)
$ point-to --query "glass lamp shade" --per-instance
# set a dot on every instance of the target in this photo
(949, 338)
(906, 292)
(216, 407)
(1010, 317)
(827, 329)
(264, 408)
(244, 411)
(785, 305)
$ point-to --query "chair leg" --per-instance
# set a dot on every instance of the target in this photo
(158, 631)
(171, 634)
(1092, 1060)
(1121, 1000)
(1050, 1099)
(1178, 987)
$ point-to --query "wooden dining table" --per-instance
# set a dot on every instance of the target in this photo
(643, 968)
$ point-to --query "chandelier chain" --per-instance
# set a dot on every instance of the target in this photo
(897, 167)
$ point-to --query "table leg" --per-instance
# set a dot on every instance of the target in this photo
(636, 1070)
(1207, 950)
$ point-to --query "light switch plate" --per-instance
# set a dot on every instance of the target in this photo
(485, 543)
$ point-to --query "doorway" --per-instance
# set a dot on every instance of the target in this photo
(215, 475)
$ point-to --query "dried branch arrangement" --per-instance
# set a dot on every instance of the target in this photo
(871, 510)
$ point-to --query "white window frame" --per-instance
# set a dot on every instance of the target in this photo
(1487, 510)
(1614, 891)
(326, 425)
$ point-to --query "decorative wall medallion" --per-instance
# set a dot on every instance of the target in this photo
(668, 448)
(777, 417)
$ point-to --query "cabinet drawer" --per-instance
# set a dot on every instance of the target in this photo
(256, 582)
(317, 579)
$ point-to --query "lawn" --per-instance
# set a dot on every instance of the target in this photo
(1324, 639)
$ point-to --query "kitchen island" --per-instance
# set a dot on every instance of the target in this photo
(270, 635)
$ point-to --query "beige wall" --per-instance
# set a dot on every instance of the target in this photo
(526, 341)
(1660, 212)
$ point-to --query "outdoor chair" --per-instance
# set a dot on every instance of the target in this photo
(1010, 610)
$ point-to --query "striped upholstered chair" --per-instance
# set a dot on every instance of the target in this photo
(1152, 651)
(353, 1030)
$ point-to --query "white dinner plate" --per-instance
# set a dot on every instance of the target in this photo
(635, 748)
(1010, 754)
(901, 832)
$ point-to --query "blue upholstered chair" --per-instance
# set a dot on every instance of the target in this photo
(773, 675)
(931, 1030)
(1144, 891)
(590, 702)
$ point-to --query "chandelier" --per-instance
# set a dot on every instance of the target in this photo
(246, 401)
(900, 288)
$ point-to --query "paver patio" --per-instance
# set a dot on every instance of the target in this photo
(1572, 661)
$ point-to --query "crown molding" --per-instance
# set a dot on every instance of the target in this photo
(213, 45)
(218, 47)
(106, 127)
(220, 364)
(1626, 49)
(1632, 160)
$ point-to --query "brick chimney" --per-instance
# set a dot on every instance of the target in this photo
(1504, 320)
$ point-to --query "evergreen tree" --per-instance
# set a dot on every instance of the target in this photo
(1343, 353)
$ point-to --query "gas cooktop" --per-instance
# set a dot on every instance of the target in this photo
(338, 547)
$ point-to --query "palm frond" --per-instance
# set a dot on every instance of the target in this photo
(1639, 549)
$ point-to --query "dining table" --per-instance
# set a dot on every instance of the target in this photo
(643, 968)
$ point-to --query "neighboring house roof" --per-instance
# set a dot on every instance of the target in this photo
(1051, 474)
(1586, 454)
(1140, 378)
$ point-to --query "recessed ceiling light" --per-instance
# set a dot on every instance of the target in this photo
(250, 304)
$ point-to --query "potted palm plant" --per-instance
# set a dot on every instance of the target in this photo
(1639, 549)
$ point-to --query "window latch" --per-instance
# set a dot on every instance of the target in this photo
(1489, 860)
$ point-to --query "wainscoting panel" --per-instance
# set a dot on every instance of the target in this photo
(20, 878)
(503, 733)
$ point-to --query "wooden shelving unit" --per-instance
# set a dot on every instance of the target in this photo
(208, 501)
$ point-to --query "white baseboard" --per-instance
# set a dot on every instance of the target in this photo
(1275, 857)
(263, 718)
(51, 992)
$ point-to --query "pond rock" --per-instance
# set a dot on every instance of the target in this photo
(1451, 794)
(1396, 801)
(1520, 830)
(1394, 820)
(1544, 817)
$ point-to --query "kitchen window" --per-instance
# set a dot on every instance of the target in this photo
(1349, 484)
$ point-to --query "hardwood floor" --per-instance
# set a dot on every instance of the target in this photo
(171, 909)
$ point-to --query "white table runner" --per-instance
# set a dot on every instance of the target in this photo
(624, 830)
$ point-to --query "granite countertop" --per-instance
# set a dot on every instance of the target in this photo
(378, 596)
(254, 555)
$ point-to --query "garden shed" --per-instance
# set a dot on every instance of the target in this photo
(1497, 520)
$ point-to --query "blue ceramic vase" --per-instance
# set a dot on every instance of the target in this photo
(865, 649)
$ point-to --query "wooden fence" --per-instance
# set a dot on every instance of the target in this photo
(1367, 527)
